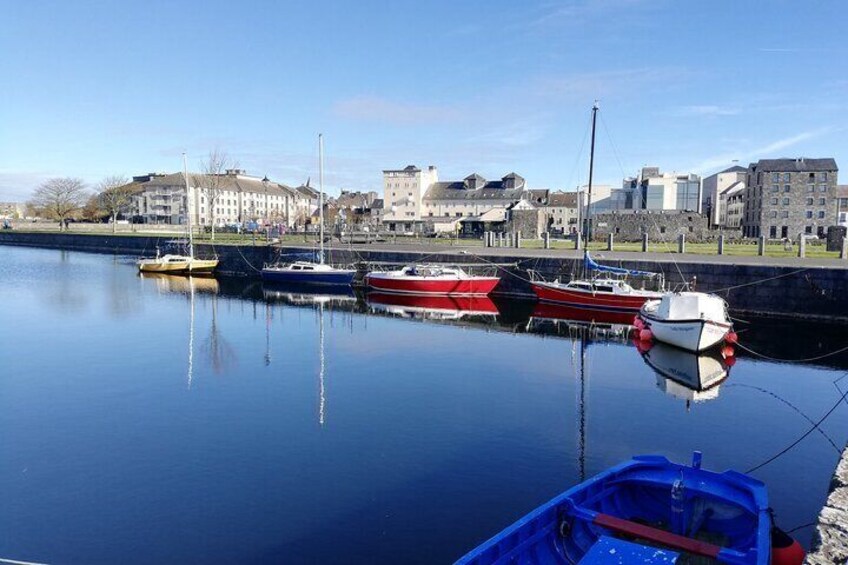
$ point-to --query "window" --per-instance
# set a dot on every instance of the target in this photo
(774, 201)
(784, 214)
(787, 177)
(775, 177)
(823, 188)
(809, 201)
(809, 214)
(662, 230)
(773, 214)
(823, 176)
(821, 214)
(786, 202)
(821, 201)
(787, 188)
(808, 229)
(775, 188)
(811, 188)
(772, 232)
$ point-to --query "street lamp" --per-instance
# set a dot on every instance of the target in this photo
(265, 185)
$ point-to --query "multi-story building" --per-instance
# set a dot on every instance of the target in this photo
(712, 189)
(560, 213)
(732, 206)
(653, 190)
(415, 199)
(787, 197)
(238, 198)
(403, 191)
(11, 210)
(842, 205)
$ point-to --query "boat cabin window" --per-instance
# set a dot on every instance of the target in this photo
(296, 267)
(580, 285)
(602, 288)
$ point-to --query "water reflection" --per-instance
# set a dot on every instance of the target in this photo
(448, 308)
(182, 284)
(685, 375)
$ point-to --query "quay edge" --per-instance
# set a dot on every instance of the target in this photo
(771, 288)
(830, 541)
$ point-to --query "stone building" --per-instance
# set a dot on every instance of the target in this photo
(732, 206)
(715, 189)
(560, 214)
(526, 219)
(788, 197)
(660, 225)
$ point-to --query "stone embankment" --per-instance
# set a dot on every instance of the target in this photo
(830, 544)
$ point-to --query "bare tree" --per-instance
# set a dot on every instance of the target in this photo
(93, 210)
(213, 180)
(115, 196)
(60, 198)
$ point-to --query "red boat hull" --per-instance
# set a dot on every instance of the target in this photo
(597, 300)
(473, 286)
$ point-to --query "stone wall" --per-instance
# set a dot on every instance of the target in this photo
(525, 222)
(660, 225)
(830, 543)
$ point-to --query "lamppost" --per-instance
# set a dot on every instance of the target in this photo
(265, 182)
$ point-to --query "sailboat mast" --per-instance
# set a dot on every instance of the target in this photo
(188, 207)
(588, 220)
(321, 197)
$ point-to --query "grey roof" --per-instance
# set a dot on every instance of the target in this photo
(563, 199)
(377, 204)
(799, 165)
(407, 169)
(475, 176)
(458, 190)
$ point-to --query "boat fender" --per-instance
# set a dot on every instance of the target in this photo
(729, 361)
(785, 550)
(646, 334)
(727, 351)
(731, 337)
(637, 322)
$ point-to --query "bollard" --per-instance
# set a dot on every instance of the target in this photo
(802, 245)
(518, 240)
(609, 242)
(761, 245)
(721, 244)
(644, 243)
(577, 240)
(843, 253)
(546, 240)
(501, 239)
(681, 243)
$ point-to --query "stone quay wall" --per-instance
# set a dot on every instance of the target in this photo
(660, 225)
(830, 542)
(814, 292)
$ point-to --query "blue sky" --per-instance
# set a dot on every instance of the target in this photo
(92, 89)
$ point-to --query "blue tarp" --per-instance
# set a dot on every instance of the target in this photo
(591, 265)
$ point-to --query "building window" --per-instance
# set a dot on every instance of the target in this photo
(823, 188)
(787, 177)
(775, 188)
(821, 214)
(811, 188)
(823, 176)
(784, 214)
(809, 201)
(786, 202)
(772, 232)
(808, 229)
(773, 214)
(662, 230)
(821, 201)
(774, 201)
(775, 177)
(787, 188)
(809, 214)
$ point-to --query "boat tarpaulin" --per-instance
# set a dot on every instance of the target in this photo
(591, 265)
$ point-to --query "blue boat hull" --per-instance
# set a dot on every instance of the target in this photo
(333, 278)
(647, 498)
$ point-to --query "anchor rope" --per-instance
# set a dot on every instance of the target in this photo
(806, 360)
(809, 431)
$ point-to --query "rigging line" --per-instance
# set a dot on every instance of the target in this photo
(792, 406)
(238, 248)
(808, 359)
(795, 272)
(800, 439)
(612, 144)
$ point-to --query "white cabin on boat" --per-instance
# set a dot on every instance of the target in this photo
(688, 306)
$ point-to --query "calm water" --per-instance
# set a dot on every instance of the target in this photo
(156, 420)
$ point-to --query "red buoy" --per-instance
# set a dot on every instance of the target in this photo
(727, 351)
(730, 361)
(785, 550)
(646, 335)
(731, 337)
(637, 321)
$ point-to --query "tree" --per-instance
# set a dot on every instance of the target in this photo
(115, 196)
(60, 198)
(213, 180)
(93, 210)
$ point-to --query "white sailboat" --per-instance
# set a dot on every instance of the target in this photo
(693, 321)
(308, 272)
(180, 264)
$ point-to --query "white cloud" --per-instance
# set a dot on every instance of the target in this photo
(707, 110)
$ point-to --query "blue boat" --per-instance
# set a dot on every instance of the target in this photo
(308, 273)
(646, 510)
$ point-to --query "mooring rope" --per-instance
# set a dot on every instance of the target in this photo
(238, 248)
(808, 359)
(760, 281)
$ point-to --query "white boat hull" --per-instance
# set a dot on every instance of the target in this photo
(691, 335)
